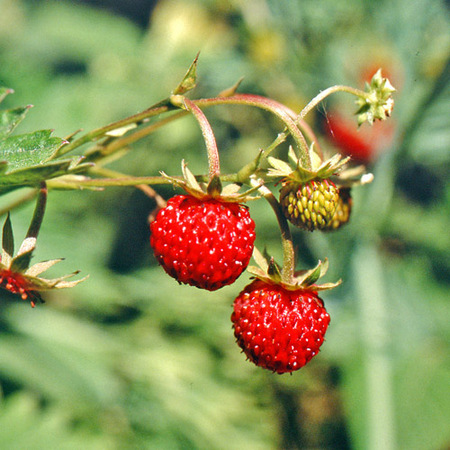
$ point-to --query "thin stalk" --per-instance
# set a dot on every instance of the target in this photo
(287, 272)
(272, 106)
(281, 137)
(122, 142)
(150, 192)
(159, 108)
(331, 90)
(207, 132)
(108, 182)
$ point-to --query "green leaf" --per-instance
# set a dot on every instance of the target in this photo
(10, 118)
(33, 175)
(29, 149)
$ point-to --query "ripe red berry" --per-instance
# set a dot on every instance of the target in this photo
(206, 243)
(279, 329)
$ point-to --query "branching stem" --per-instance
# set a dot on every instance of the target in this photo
(272, 106)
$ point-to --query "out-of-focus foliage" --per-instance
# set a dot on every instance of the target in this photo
(129, 359)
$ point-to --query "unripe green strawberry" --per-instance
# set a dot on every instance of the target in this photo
(277, 328)
(343, 210)
(206, 242)
(310, 205)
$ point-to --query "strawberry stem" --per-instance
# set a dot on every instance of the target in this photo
(104, 150)
(86, 182)
(159, 108)
(287, 272)
(331, 90)
(276, 108)
(145, 188)
(208, 134)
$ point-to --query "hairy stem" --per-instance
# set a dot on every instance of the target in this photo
(158, 108)
(129, 139)
(272, 106)
(287, 272)
(146, 189)
(331, 90)
(207, 132)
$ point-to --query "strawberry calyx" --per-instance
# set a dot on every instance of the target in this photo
(269, 271)
(378, 103)
(213, 189)
(297, 173)
(19, 277)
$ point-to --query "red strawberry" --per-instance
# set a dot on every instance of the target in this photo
(206, 242)
(279, 329)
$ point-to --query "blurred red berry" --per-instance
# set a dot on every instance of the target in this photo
(363, 144)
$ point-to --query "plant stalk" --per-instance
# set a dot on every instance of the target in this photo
(207, 132)
(288, 270)
(158, 108)
(331, 90)
(276, 108)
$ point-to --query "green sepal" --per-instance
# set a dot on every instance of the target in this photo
(299, 174)
(229, 92)
(214, 188)
(21, 262)
(7, 240)
(270, 272)
(38, 268)
(377, 104)
(190, 79)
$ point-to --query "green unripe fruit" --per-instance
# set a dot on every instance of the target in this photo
(309, 205)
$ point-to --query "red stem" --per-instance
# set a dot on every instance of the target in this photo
(208, 135)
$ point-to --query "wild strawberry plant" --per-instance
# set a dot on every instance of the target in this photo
(205, 237)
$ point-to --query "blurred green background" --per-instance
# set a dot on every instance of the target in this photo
(129, 359)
